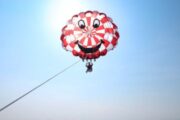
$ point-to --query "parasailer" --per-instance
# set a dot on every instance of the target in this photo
(89, 35)
(89, 66)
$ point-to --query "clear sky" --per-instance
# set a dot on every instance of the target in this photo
(138, 80)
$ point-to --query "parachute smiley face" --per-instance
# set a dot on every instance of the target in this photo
(89, 35)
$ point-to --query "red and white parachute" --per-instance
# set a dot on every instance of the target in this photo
(89, 35)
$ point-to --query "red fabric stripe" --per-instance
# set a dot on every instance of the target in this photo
(100, 34)
(104, 52)
(68, 32)
(104, 19)
(96, 39)
(75, 53)
(114, 26)
(106, 43)
(62, 37)
(82, 40)
(88, 20)
(81, 15)
(77, 29)
(89, 42)
(100, 28)
(72, 44)
(109, 30)
(114, 41)
(94, 14)
(64, 28)
(64, 42)
(117, 34)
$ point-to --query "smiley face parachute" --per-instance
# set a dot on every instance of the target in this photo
(89, 35)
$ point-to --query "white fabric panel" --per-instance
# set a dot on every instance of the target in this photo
(108, 25)
(88, 14)
(85, 42)
(70, 27)
(69, 48)
(106, 36)
(100, 31)
(100, 16)
(93, 41)
(69, 38)
(102, 47)
(110, 47)
(99, 37)
(110, 37)
(76, 48)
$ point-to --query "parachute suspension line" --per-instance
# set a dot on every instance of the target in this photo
(38, 86)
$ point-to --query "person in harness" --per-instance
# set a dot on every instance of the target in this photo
(89, 67)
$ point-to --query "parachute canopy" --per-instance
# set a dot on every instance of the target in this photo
(89, 35)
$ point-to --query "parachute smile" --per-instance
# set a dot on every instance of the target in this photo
(90, 50)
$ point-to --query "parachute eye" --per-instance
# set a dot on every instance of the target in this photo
(96, 23)
(81, 24)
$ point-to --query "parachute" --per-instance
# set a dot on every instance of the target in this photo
(89, 35)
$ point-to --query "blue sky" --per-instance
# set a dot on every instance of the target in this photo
(138, 80)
